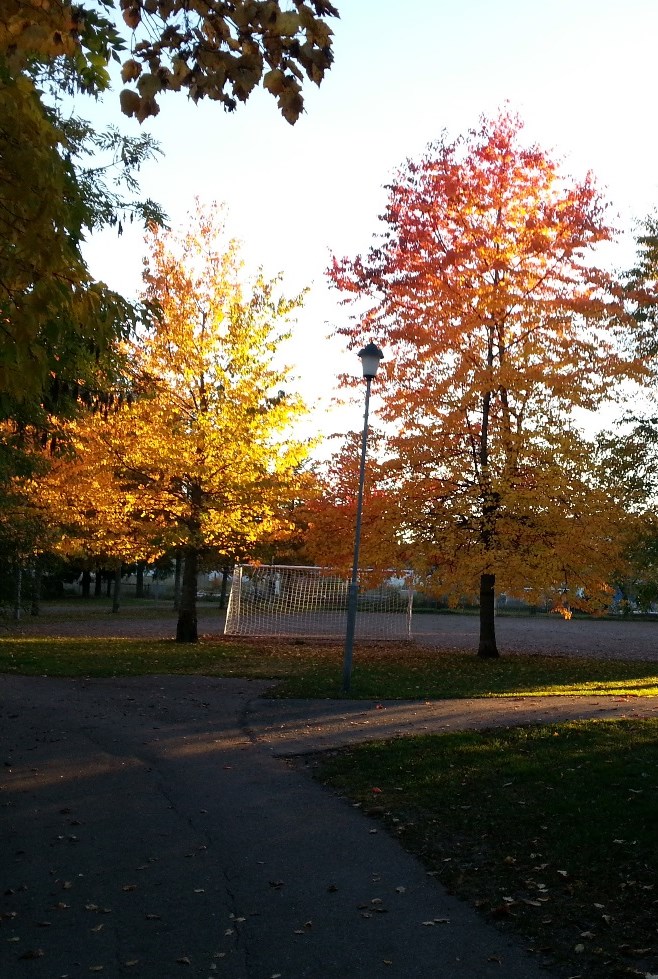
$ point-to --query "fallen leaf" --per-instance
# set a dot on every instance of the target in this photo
(97, 928)
(183, 960)
(129, 887)
(131, 962)
(33, 953)
(401, 890)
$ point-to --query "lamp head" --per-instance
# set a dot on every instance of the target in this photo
(370, 358)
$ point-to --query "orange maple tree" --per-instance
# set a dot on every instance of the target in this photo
(328, 514)
(498, 322)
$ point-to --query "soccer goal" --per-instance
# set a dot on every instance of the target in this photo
(279, 600)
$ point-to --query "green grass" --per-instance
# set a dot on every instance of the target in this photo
(550, 831)
(306, 669)
(108, 657)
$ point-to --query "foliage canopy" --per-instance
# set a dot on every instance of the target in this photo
(484, 289)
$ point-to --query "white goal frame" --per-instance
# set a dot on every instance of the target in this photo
(295, 601)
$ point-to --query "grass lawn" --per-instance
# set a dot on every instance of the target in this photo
(314, 669)
(551, 831)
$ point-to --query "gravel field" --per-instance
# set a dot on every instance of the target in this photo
(623, 639)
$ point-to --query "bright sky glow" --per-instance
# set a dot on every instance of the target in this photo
(581, 74)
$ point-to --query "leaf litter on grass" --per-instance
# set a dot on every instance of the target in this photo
(549, 830)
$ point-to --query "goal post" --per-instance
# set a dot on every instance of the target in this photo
(290, 601)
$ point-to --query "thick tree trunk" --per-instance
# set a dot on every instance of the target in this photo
(116, 594)
(186, 628)
(86, 583)
(487, 648)
(178, 565)
(139, 582)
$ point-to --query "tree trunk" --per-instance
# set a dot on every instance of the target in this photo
(487, 648)
(116, 594)
(86, 583)
(139, 582)
(222, 595)
(177, 580)
(186, 628)
(98, 583)
(18, 594)
(35, 607)
(110, 579)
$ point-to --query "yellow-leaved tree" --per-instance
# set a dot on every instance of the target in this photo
(498, 321)
(202, 459)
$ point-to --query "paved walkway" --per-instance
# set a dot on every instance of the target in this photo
(148, 828)
(292, 727)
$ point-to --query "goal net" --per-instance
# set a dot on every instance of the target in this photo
(279, 600)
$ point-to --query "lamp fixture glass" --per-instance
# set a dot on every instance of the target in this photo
(370, 358)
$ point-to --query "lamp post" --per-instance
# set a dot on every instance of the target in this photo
(370, 358)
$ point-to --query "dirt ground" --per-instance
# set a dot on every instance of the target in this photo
(598, 638)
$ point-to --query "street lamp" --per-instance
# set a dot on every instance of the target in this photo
(370, 358)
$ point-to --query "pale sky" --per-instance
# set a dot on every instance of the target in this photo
(580, 73)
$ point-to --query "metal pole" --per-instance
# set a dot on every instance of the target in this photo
(353, 590)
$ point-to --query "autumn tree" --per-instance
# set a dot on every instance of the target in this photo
(52, 186)
(206, 48)
(328, 512)
(498, 322)
(202, 460)
(59, 181)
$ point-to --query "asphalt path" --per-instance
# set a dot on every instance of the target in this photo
(148, 828)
